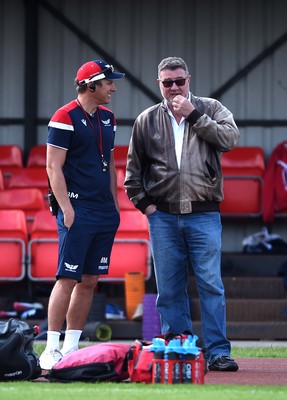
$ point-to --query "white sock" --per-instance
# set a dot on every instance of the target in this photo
(53, 340)
(71, 341)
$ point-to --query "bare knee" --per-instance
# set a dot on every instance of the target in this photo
(89, 282)
(65, 285)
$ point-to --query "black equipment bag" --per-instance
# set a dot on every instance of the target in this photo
(18, 361)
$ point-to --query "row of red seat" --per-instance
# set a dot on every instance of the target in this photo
(27, 189)
(28, 236)
(243, 172)
(11, 160)
(35, 254)
(21, 185)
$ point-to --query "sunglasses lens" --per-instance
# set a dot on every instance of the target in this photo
(167, 84)
(178, 82)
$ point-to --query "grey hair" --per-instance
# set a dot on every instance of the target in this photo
(172, 63)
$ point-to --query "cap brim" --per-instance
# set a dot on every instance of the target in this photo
(115, 75)
(111, 76)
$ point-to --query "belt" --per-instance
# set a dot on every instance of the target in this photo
(188, 207)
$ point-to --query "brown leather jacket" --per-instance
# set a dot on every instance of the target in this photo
(152, 174)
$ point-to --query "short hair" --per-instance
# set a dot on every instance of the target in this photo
(172, 63)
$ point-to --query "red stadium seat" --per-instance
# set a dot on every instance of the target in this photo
(244, 161)
(120, 178)
(123, 200)
(37, 156)
(120, 156)
(131, 249)
(29, 200)
(13, 241)
(33, 177)
(43, 248)
(11, 158)
(243, 171)
(1, 181)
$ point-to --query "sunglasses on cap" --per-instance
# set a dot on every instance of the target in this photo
(178, 82)
(98, 75)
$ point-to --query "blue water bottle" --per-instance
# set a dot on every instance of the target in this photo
(190, 352)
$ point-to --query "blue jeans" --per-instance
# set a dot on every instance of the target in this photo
(177, 240)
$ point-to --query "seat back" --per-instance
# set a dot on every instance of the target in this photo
(243, 170)
(13, 241)
(29, 178)
(130, 253)
(37, 156)
(123, 200)
(11, 158)
(244, 161)
(43, 248)
(1, 181)
(30, 200)
(120, 156)
(131, 249)
(34, 177)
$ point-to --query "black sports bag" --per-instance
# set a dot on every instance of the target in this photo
(18, 361)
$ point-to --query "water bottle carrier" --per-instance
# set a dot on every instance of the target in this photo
(178, 371)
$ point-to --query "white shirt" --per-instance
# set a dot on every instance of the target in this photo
(178, 131)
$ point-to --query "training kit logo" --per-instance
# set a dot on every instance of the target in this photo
(73, 195)
(70, 267)
(107, 122)
(104, 260)
(13, 374)
(84, 121)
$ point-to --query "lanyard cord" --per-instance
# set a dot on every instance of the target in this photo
(99, 139)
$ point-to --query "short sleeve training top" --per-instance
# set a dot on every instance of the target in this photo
(70, 129)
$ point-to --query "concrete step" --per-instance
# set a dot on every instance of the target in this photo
(268, 330)
(256, 310)
(252, 330)
(241, 264)
(249, 287)
(250, 310)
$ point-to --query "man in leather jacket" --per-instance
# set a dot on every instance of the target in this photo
(174, 177)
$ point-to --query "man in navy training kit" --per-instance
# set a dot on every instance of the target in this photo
(82, 175)
(174, 177)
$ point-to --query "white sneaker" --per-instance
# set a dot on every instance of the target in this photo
(49, 358)
(71, 350)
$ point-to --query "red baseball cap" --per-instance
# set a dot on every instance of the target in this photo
(95, 70)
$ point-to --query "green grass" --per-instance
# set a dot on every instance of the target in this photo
(265, 352)
(136, 391)
(237, 352)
